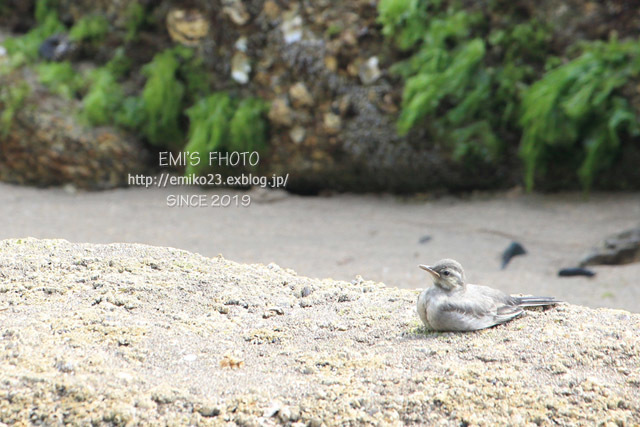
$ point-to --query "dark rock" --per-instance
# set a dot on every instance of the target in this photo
(578, 20)
(17, 15)
(620, 248)
(46, 145)
(56, 48)
(514, 249)
(576, 271)
(335, 50)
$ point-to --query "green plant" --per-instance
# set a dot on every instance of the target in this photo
(405, 21)
(11, 98)
(59, 77)
(452, 77)
(463, 83)
(449, 71)
(24, 49)
(131, 113)
(209, 126)
(174, 77)
(578, 106)
(248, 128)
(524, 48)
(333, 30)
(218, 122)
(91, 28)
(103, 99)
(44, 9)
(135, 18)
(120, 63)
(192, 73)
(162, 100)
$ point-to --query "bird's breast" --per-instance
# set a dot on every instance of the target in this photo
(423, 302)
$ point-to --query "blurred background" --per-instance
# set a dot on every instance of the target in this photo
(384, 134)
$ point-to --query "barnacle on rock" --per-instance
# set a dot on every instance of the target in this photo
(187, 27)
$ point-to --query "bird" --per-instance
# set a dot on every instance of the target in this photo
(454, 305)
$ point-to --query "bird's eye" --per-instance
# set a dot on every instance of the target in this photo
(446, 272)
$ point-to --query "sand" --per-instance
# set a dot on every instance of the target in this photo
(128, 334)
(342, 236)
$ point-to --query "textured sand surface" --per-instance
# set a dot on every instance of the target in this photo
(131, 334)
(343, 236)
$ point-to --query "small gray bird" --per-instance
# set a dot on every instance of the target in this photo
(453, 305)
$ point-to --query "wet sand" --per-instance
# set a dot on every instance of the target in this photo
(381, 238)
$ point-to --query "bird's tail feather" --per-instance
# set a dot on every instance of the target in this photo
(537, 301)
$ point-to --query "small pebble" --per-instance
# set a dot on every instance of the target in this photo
(272, 410)
(209, 411)
(64, 366)
(424, 239)
(305, 303)
(190, 358)
(272, 311)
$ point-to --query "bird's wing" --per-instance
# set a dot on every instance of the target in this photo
(478, 307)
(504, 313)
(453, 317)
(506, 306)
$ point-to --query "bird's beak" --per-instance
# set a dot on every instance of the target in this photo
(429, 270)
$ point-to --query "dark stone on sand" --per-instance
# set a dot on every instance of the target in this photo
(424, 239)
(514, 249)
(620, 248)
(576, 271)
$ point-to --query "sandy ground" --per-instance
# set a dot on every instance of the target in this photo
(341, 236)
(128, 334)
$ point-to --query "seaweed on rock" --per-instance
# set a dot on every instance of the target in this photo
(578, 106)
(219, 122)
(90, 28)
(59, 77)
(11, 100)
(162, 100)
(103, 99)
(463, 81)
